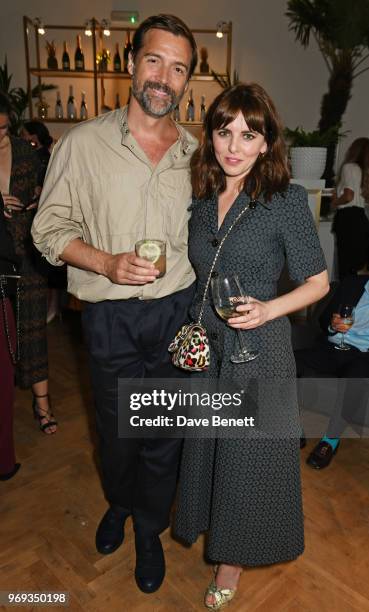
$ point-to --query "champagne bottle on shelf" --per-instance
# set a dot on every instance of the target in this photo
(117, 101)
(176, 113)
(190, 108)
(202, 109)
(65, 58)
(79, 58)
(127, 49)
(117, 61)
(58, 107)
(83, 112)
(71, 107)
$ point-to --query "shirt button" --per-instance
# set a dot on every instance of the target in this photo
(214, 274)
(215, 242)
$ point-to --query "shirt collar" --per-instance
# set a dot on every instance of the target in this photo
(185, 146)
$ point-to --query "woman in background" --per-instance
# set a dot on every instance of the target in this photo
(351, 224)
(8, 349)
(19, 171)
(37, 134)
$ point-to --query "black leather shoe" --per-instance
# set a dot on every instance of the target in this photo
(150, 563)
(321, 455)
(10, 475)
(110, 532)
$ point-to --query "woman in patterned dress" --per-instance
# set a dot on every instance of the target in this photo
(246, 492)
(19, 169)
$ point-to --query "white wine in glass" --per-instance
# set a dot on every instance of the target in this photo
(227, 294)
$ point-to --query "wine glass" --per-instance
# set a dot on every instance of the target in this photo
(342, 321)
(227, 294)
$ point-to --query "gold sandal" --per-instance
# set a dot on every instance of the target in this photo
(221, 596)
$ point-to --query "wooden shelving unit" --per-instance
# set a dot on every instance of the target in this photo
(35, 70)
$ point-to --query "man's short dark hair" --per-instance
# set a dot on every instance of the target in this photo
(168, 23)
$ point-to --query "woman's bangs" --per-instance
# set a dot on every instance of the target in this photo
(229, 110)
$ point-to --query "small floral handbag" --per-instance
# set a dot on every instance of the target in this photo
(190, 348)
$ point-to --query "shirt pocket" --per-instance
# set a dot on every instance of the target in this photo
(116, 201)
(174, 198)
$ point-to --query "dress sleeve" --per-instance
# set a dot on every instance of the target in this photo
(303, 252)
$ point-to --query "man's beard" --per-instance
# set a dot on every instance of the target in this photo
(157, 107)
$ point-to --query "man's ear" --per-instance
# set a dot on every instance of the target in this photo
(186, 86)
(130, 63)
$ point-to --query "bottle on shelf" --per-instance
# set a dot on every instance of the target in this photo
(83, 112)
(79, 58)
(190, 108)
(202, 109)
(58, 107)
(176, 113)
(71, 107)
(117, 61)
(117, 101)
(126, 51)
(65, 58)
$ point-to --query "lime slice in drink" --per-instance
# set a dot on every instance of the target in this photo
(149, 251)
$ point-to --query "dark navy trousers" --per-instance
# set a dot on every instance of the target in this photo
(130, 339)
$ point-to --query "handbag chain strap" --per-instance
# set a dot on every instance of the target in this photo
(216, 259)
(14, 353)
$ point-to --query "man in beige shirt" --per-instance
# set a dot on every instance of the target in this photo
(113, 181)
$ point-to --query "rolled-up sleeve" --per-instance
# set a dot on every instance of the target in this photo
(58, 220)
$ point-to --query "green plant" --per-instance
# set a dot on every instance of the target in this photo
(341, 30)
(18, 97)
(300, 138)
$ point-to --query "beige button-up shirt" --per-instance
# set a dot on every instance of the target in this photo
(101, 187)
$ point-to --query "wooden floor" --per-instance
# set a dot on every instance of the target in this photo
(49, 513)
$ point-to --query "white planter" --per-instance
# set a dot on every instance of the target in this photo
(308, 162)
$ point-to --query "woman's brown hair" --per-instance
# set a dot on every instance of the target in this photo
(270, 172)
(358, 153)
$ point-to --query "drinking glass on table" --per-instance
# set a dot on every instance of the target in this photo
(227, 294)
(342, 321)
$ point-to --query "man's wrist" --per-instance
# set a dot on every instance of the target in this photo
(104, 262)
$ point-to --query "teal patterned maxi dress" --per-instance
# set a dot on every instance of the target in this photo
(246, 492)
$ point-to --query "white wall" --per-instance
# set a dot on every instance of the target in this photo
(263, 49)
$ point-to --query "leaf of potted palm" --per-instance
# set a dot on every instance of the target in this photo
(308, 151)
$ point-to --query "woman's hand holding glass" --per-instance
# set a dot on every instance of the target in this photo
(253, 314)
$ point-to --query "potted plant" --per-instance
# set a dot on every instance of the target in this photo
(308, 151)
(341, 30)
(18, 97)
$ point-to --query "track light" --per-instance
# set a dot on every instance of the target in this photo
(88, 29)
(221, 28)
(105, 27)
(39, 25)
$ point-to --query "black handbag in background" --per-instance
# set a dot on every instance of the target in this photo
(9, 262)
